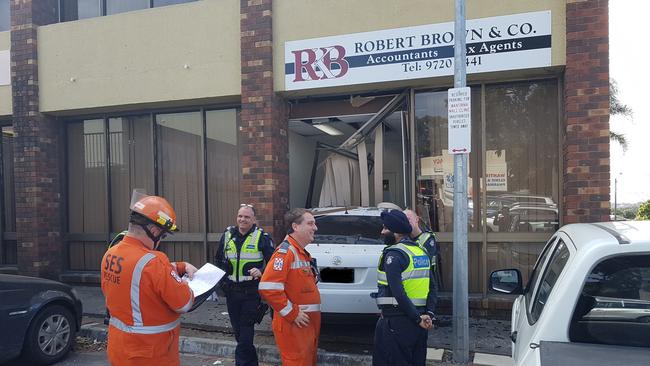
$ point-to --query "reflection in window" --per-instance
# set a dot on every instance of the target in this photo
(223, 168)
(522, 163)
(435, 167)
(614, 305)
(5, 16)
(87, 177)
(180, 167)
(551, 274)
(80, 9)
(131, 164)
(7, 176)
(121, 6)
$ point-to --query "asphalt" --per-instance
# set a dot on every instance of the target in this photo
(346, 340)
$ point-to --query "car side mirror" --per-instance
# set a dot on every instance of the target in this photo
(506, 281)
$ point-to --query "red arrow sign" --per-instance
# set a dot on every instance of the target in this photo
(457, 150)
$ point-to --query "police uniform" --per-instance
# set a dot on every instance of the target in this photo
(406, 290)
(236, 255)
(289, 285)
(427, 241)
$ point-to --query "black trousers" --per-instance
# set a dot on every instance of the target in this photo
(242, 310)
(399, 342)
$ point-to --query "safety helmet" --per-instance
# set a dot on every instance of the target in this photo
(155, 210)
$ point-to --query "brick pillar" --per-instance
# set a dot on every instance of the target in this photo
(586, 105)
(263, 129)
(36, 148)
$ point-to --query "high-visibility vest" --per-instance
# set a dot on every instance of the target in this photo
(415, 277)
(422, 241)
(248, 257)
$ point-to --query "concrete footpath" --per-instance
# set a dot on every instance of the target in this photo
(207, 331)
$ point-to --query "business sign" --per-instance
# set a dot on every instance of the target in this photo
(5, 68)
(508, 42)
(496, 174)
(459, 115)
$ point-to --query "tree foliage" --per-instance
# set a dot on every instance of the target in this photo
(617, 108)
(644, 211)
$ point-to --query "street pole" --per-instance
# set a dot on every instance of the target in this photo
(460, 288)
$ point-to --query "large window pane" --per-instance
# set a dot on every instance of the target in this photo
(131, 162)
(5, 16)
(522, 157)
(180, 179)
(80, 9)
(223, 168)
(121, 6)
(8, 200)
(434, 167)
(87, 206)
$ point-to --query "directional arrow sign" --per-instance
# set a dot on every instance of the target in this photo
(459, 114)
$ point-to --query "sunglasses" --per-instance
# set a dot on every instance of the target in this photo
(246, 205)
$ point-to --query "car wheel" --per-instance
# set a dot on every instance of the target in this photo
(50, 335)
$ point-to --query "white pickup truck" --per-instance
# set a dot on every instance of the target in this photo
(587, 301)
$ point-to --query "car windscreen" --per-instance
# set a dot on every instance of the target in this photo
(348, 229)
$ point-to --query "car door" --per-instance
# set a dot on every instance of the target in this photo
(557, 257)
(13, 315)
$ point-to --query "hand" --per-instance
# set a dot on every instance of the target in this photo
(190, 270)
(425, 322)
(255, 273)
(302, 320)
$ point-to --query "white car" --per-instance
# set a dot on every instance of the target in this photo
(588, 298)
(347, 247)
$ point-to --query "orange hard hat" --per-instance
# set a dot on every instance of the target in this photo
(157, 210)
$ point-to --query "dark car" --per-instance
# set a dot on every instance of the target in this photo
(39, 318)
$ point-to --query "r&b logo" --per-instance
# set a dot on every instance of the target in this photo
(317, 63)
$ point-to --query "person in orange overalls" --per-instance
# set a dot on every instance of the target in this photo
(144, 291)
(288, 285)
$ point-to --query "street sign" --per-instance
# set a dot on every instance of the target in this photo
(459, 114)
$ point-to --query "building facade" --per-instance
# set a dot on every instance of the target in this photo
(213, 103)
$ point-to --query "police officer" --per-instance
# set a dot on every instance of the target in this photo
(143, 290)
(426, 239)
(242, 253)
(406, 296)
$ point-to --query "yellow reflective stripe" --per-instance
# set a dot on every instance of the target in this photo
(143, 329)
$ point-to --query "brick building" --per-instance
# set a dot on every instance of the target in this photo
(202, 102)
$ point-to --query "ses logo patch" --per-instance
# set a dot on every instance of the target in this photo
(421, 261)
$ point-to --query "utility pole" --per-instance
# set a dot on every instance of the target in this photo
(460, 277)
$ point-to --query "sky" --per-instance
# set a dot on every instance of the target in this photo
(628, 65)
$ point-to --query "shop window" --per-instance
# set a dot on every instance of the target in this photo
(434, 166)
(87, 191)
(180, 180)
(122, 6)
(7, 197)
(79, 9)
(5, 16)
(223, 168)
(522, 163)
(131, 164)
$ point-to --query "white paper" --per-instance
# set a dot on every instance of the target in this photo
(205, 279)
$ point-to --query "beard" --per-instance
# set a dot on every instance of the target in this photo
(389, 239)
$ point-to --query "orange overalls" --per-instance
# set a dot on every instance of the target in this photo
(145, 297)
(288, 283)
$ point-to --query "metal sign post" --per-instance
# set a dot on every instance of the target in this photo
(459, 105)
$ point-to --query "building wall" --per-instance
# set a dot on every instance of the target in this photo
(297, 20)
(5, 90)
(139, 57)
